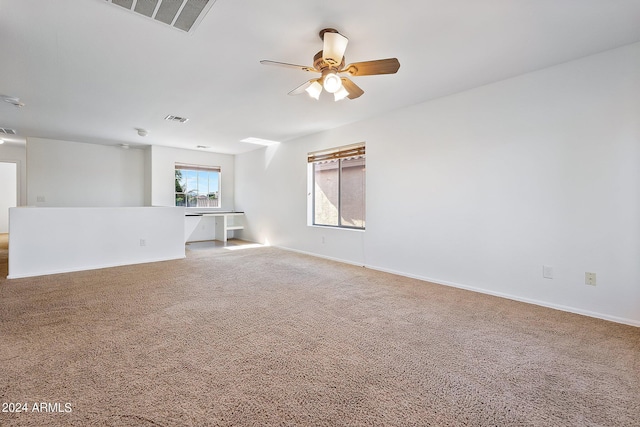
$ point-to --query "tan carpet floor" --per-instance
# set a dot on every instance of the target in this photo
(268, 337)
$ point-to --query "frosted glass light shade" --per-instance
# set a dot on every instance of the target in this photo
(314, 90)
(332, 83)
(342, 93)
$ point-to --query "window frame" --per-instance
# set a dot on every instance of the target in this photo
(198, 168)
(339, 154)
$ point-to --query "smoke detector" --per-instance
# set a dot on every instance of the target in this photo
(15, 101)
(142, 132)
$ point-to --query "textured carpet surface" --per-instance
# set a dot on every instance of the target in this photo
(263, 336)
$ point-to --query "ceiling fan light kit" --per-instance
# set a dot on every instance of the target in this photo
(331, 82)
(330, 62)
(314, 89)
(341, 94)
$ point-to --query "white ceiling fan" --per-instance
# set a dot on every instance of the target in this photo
(330, 63)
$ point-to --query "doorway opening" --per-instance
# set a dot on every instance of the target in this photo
(8, 192)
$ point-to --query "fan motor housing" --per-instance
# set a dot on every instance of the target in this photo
(320, 64)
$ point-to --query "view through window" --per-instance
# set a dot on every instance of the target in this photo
(339, 187)
(197, 186)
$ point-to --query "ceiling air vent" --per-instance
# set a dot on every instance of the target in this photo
(184, 15)
(176, 119)
(6, 131)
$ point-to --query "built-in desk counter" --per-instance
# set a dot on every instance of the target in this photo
(224, 222)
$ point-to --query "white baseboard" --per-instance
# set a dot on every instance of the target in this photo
(85, 268)
(622, 320)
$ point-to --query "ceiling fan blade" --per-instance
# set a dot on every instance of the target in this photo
(370, 68)
(302, 88)
(353, 89)
(334, 46)
(284, 64)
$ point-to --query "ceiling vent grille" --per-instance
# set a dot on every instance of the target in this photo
(7, 131)
(184, 15)
(176, 119)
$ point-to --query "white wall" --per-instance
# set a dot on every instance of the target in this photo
(483, 188)
(199, 228)
(163, 160)
(56, 240)
(71, 174)
(147, 176)
(8, 192)
(63, 173)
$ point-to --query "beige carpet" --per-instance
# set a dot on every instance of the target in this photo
(268, 337)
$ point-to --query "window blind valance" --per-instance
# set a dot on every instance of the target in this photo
(354, 150)
(184, 166)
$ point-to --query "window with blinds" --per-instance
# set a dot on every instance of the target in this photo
(197, 186)
(339, 184)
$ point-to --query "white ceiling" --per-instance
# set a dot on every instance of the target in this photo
(91, 71)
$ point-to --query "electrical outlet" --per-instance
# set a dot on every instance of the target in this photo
(547, 272)
(323, 239)
(41, 199)
(143, 242)
(590, 279)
